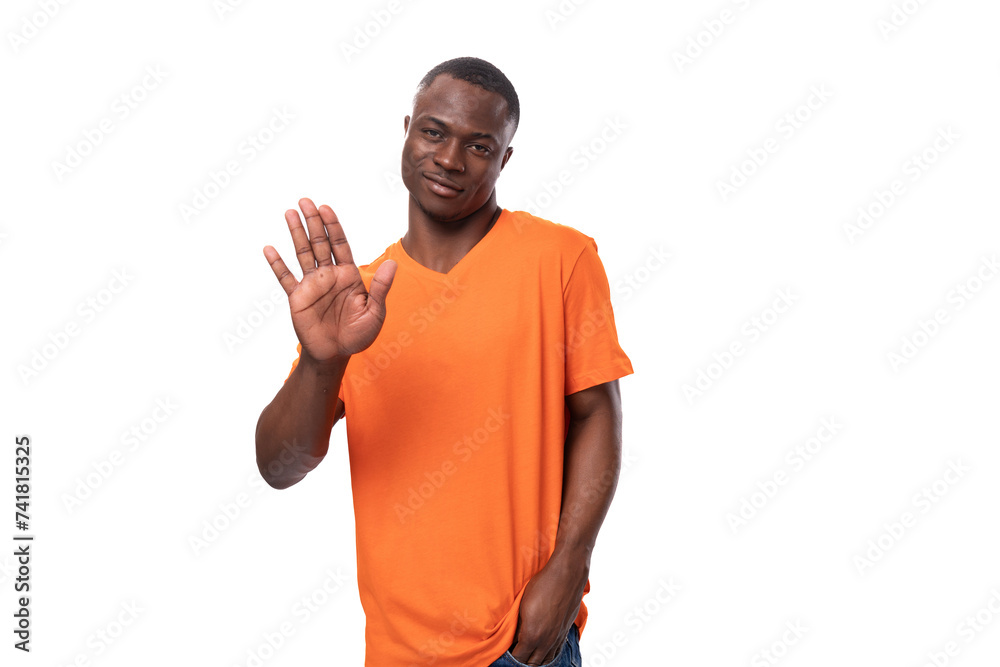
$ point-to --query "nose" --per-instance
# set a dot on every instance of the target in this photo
(449, 156)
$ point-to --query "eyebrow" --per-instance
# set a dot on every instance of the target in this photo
(474, 135)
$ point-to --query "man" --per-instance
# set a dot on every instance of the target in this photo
(475, 363)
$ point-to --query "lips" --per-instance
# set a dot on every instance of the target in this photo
(442, 186)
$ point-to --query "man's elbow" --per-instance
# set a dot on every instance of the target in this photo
(288, 467)
(277, 482)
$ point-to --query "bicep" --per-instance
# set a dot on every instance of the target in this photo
(604, 397)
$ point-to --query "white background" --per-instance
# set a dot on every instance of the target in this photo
(196, 283)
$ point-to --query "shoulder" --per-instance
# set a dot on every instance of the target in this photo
(550, 236)
(561, 251)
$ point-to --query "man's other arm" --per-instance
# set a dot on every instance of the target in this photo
(592, 462)
(591, 467)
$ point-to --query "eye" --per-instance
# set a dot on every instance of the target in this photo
(480, 148)
(435, 134)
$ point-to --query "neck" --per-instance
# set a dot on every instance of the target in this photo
(439, 246)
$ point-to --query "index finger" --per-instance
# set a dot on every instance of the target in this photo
(281, 272)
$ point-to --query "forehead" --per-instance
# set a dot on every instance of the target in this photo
(463, 105)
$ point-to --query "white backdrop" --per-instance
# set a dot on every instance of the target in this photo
(795, 204)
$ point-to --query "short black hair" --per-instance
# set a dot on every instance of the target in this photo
(479, 73)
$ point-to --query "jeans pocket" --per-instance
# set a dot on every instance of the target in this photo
(557, 661)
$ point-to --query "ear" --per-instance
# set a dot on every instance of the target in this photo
(506, 156)
(406, 124)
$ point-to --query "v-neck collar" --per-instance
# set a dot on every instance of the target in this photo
(399, 253)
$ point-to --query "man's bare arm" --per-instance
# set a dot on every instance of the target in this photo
(293, 432)
(592, 462)
(591, 466)
(334, 316)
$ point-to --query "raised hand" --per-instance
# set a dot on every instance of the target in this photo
(334, 316)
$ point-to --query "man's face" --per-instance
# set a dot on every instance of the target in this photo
(455, 145)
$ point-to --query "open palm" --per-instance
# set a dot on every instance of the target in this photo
(332, 312)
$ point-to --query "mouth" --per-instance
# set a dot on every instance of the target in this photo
(441, 186)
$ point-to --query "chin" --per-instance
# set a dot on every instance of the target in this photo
(442, 211)
(447, 216)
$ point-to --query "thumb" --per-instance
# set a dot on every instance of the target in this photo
(382, 281)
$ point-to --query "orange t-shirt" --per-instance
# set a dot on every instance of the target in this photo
(456, 423)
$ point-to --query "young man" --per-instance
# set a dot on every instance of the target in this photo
(475, 363)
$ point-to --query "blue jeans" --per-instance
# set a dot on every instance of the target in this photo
(567, 656)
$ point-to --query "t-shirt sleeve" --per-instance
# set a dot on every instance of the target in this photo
(298, 349)
(593, 355)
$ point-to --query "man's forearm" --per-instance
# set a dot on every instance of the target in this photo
(293, 432)
(591, 467)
